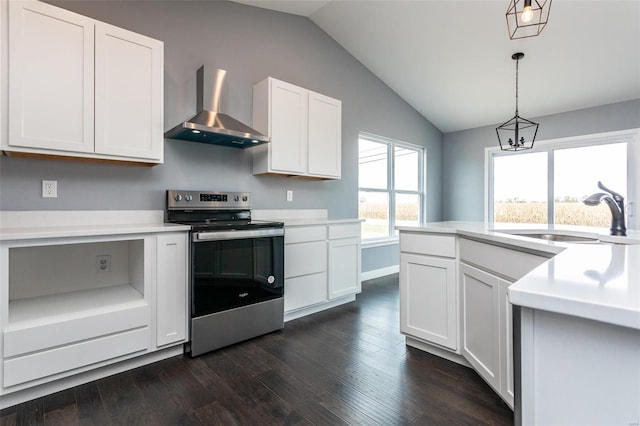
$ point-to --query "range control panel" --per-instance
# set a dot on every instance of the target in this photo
(207, 200)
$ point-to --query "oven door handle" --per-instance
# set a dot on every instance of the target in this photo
(236, 235)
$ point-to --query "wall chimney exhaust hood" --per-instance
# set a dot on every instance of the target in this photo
(211, 126)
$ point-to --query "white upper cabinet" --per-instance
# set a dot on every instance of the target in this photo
(51, 78)
(305, 130)
(325, 135)
(81, 88)
(128, 104)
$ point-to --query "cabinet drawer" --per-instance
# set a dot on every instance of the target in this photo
(512, 264)
(46, 363)
(44, 336)
(301, 292)
(429, 244)
(305, 234)
(351, 230)
(305, 258)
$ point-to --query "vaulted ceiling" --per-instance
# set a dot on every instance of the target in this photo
(451, 59)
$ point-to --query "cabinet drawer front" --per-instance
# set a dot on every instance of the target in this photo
(512, 264)
(60, 333)
(434, 245)
(46, 363)
(301, 292)
(351, 230)
(305, 258)
(305, 234)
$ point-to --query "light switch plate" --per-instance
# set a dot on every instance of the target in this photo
(289, 195)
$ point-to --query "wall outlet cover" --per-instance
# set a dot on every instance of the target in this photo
(49, 188)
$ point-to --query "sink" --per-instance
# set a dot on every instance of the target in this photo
(562, 238)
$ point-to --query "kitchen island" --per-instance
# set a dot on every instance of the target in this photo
(576, 316)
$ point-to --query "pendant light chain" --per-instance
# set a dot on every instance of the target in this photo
(517, 62)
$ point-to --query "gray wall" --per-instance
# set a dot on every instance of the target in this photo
(463, 152)
(251, 44)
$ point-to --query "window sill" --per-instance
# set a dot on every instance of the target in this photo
(379, 242)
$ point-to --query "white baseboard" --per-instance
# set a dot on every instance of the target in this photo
(377, 273)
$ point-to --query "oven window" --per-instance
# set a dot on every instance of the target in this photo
(231, 273)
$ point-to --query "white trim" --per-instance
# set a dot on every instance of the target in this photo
(379, 242)
(381, 272)
(289, 316)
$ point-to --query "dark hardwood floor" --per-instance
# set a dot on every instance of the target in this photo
(347, 365)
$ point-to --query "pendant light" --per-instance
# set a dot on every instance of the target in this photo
(518, 133)
(527, 18)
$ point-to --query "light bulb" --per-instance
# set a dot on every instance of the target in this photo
(527, 14)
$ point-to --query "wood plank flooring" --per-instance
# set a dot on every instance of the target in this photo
(347, 365)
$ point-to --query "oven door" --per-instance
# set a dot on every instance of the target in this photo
(235, 268)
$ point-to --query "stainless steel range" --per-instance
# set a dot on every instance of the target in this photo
(237, 268)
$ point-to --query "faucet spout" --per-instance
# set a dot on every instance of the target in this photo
(615, 202)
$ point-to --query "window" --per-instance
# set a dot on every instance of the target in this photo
(548, 183)
(391, 187)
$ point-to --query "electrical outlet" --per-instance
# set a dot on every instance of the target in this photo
(289, 195)
(50, 189)
(103, 263)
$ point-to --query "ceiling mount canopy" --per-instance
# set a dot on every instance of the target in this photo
(527, 18)
(518, 133)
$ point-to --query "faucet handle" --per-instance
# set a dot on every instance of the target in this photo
(614, 194)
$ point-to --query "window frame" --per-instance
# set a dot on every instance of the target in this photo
(631, 137)
(391, 192)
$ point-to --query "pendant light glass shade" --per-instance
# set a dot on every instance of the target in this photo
(517, 133)
(527, 18)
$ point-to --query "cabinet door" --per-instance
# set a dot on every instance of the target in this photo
(506, 343)
(304, 291)
(288, 128)
(428, 299)
(51, 76)
(344, 267)
(325, 136)
(129, 99)
(480, 339)
(171, 290)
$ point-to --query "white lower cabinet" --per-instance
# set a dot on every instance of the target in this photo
(322, 267)
(506, 344)
(72, 305)
(480, 322)
(344, 260)
(454, 301)
(171, 289)
(428, 289)
(428, 299)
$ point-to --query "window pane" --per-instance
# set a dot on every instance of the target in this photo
(372, 164)
(576, 175)
(406, 169)
(374, 208)
(407, 210)
(520, 188)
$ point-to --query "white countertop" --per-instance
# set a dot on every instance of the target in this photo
(594, 281)
(31, 225)
(300, 217)
(311, 222)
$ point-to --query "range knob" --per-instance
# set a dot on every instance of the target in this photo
(188, 197)
(245, 198)
(178, 197)
(236, 198)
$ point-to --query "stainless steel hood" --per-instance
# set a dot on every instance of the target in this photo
(211, 126)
